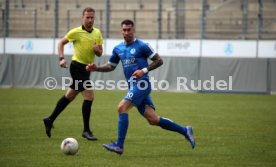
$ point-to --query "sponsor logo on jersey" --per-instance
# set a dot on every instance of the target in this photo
(129, 61)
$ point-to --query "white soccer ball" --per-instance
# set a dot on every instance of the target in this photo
(69, 146)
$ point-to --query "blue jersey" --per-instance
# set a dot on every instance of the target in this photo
(133, 57)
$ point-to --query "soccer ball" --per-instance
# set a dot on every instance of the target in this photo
(69, 146)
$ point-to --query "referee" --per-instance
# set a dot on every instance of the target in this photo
(87, 41)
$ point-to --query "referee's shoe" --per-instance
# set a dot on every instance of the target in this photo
(89, 135)
(48, 126)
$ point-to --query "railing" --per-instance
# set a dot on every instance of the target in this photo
(206, 20)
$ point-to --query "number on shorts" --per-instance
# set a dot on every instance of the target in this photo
(129, 95)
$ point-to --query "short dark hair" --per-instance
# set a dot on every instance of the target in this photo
(128, 22)
(88, 9)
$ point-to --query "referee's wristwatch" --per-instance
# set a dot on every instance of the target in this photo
(61, 58)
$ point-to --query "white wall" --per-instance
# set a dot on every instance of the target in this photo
(175, 48)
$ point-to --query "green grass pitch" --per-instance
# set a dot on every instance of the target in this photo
(230, 130)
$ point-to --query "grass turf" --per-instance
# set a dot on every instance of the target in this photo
(230, 130)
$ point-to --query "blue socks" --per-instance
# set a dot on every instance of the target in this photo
(168, 124)
(122, 129)
(164, 123)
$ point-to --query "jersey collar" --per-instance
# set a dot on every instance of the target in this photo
(86, 29)
(131, 42)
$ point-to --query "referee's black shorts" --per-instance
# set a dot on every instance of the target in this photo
(80, 77)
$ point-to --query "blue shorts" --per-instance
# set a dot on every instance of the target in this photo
(139, 96)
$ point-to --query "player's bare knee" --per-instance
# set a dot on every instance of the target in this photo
(153, 121)
(121, 108)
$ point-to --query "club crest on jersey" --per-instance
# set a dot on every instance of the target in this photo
(132, 51)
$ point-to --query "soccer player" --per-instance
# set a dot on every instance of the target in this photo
(133, 53)
(87, 41)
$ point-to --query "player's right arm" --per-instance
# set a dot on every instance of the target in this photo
(107, 67)
(61, 44)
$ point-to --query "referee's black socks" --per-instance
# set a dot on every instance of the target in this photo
(61, 105)
(86, 111)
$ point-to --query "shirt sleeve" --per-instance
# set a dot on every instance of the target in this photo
(114, 59)
(71, 35)
(148, 51)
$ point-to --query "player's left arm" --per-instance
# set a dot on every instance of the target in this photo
(156, 62)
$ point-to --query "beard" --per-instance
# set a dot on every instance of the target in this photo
(128, 39)
(89, 25)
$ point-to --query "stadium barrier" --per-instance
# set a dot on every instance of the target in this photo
(27, 65)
